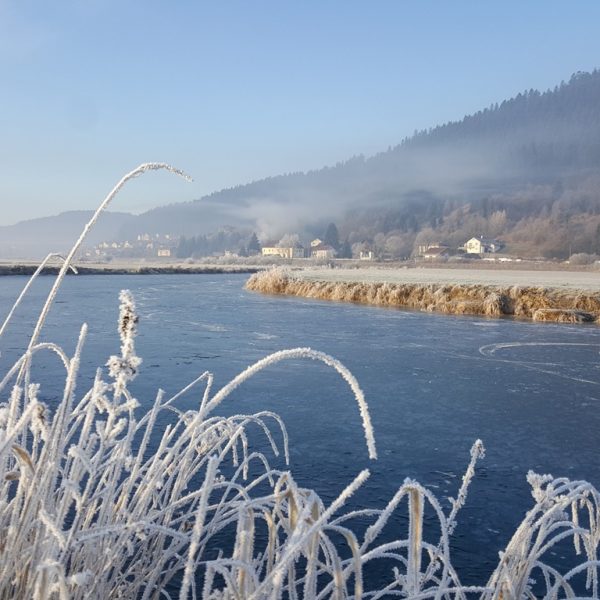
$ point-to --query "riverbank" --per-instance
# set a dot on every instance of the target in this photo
(130, 269)
(564, 297)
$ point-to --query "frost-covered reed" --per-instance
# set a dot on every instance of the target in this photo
(537, 303)
(99, 499)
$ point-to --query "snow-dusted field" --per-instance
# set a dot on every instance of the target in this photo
(585, 280)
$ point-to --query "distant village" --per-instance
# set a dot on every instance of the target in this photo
(144, 246)
(228, 244)
(477, 246)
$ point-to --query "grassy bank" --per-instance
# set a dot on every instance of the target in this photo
(538, 303)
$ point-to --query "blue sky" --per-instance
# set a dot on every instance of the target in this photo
(237, 91)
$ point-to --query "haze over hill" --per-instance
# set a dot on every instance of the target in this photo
(35, 238)
(526, 170)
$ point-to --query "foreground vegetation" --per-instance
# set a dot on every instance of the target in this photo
(101, 500)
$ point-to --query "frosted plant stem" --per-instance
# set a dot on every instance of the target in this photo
(415, 535)
(197, 530)
(300, 537)
(314, 355)
(29, 283)
(67, 262)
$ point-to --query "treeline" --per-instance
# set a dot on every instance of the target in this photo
(243, 244)
(557, 127)
(227, 239)
(550, 221)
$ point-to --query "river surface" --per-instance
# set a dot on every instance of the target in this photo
(434, 384)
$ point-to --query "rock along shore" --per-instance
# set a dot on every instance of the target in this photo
(559, 305)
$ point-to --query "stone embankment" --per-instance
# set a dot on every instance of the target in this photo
(537, 303)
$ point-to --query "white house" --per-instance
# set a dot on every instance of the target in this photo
(434, 252)
(481, 245)
(423, 248)
(322, 251)
(164, 252)
(296, 251)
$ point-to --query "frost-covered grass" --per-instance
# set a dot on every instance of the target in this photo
(101, 500)
(496, 275)
(537, 303)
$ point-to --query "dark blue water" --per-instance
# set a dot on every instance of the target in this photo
(434, 384)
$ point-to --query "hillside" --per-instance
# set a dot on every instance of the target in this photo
(525, 170)
(37, 237)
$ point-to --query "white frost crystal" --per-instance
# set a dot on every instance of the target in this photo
(124, 368)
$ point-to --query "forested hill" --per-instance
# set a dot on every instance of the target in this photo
(557, 128)
(519, 169)
(526, 170)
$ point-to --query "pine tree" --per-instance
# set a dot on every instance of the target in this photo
(183, 248)
(345, 250)
(332, 237)
(253, 245)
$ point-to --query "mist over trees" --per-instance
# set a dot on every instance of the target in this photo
(526, 170)
(227, 239)
(551, 221)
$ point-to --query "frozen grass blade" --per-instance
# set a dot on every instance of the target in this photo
(143, 168)
(29, 283)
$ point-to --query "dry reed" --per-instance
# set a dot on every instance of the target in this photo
(537, 303)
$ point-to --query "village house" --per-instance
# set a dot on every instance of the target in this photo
(142, 245)
(366, 255)
(296, 251)
(433, 250)
(320, 250)
(436, 252)
(423, 248)
(482, 245)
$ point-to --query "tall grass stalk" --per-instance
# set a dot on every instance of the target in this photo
(99, 501)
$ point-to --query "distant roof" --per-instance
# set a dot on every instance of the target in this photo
(435, 250)
(483, 239)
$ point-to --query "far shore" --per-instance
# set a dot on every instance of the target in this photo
(129, 268)
(530, 273)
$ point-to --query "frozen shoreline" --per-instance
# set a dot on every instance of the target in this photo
(556, 296)
(131, 269)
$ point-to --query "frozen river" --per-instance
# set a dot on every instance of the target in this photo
(434, 384)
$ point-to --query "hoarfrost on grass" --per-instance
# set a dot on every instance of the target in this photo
(88, 509)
